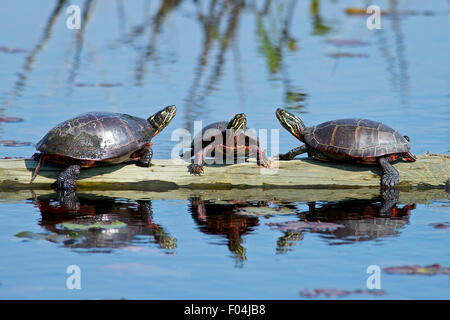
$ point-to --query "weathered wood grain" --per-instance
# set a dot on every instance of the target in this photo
(429, 171)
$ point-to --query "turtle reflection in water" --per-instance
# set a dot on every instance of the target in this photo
(353, 221)
(219, 217)
(100, 223)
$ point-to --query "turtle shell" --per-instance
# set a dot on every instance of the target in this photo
(355, 138)
(97, 136)
(208, 137)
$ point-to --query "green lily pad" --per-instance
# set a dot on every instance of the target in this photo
(221, 202)
(31, 235)
(263, 211)
(305, 225)
(52, 237)
(98, 225)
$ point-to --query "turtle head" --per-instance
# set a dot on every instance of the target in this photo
(162, 118)
(238, 122)
(291, 123)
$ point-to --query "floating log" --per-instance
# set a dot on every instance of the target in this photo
(429, 171)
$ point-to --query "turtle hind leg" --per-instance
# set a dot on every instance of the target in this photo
(293, 153)
(145, 158)
(67, 179)
(390, 175)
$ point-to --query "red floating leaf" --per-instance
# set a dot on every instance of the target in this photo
(14, 143)
(344, 42)
(347, 55)
(13, 157)
(11, 50)
(363, 11)
(337, 293)
(105, 85)
(10, 119)
(109, 84)
(430, 270)
(440, 225)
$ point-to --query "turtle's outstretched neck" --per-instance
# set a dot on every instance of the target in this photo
(162, 118)
(291, 123)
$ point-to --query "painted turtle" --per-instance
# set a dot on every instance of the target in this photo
(232, 136)
(353, 140)
(97, 138)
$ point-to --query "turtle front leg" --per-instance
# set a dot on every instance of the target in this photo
(67, 179)
(198, 166)
(146, 157)
(390, 175)
(261, 158)
(293, 153)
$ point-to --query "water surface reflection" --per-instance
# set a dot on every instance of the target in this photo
(219, 218)
(345, 222)
(101, 223)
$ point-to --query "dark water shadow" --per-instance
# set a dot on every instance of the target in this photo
(346, 222)
(363, 220)
(219, 218)
(350, 166)
(99, 223)
(339, 222)
(50, 170)
(91, 223)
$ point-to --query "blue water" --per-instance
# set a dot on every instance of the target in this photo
(150, 56)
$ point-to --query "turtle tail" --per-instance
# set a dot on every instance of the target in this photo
(408, 156)
(41, 161)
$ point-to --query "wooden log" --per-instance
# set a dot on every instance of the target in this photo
(429, 171)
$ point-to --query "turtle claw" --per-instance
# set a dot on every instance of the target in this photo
(389, 180)
(197, 169)
(266, 163)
